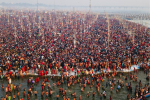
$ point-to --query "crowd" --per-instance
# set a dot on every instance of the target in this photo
(61, 41)
(82, 41)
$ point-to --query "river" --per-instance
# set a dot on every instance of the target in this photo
(121, 95)
(142, 22)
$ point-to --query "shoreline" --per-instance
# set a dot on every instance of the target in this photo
(76, 72)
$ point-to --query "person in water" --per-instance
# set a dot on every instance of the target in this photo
(57, 96)
(35, 93)
(101, 95)
(93, 94)
(88, 94)
(104, 94)
(110, 97)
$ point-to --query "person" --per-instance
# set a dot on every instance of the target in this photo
(46, 93)
(117, 91)
(28, 96)
(64, 98)
(50, 93)
(24, 93)
(88, 95)
(93, 93)
(2, 86)
(126, 78)
(118, 87)
(80, 98)
(103, 88)
(14, 96)
(128, 96)
(64, 92)
(104, 94)
(57, 96)
(111, 88)
(74, 94)
(35, 93)
(1, 98)
(42, 94)
(110, 97)
(9, 97)
(53, 84)
(82, 90)
(18, 93)
(101, 95)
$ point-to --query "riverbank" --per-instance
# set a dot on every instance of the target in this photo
(70, 72)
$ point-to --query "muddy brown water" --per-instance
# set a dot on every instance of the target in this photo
(121, 95)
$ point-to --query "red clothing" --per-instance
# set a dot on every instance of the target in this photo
(110, 97)
(10, 73)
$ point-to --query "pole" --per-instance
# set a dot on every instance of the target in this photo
(108, 28)
(8, 17)
(133, 36)
(145, 27)
(90, 7)
(54, 5)
(12, 22)
(43, 36)
(15, 34)
(37, 5)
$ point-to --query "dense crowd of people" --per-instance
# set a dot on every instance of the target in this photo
(61, 41)
(82, 41)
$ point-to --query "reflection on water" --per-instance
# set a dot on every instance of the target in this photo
(121, 95)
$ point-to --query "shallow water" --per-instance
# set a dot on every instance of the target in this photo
(142, 22)
(121, 95)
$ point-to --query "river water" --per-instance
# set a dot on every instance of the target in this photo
(121, 95)
(142, 22)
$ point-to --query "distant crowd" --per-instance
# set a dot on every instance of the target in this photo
(64, 40)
